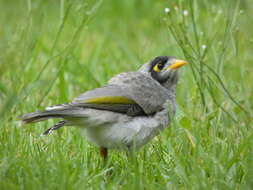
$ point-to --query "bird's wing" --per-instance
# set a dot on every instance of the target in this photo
(144, 90)
(111, 98)
(133, 93)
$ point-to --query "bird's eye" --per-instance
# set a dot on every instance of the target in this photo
(158, 67)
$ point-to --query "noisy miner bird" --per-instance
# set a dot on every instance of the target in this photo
(127, 112)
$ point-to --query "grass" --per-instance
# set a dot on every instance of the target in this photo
(53, 51)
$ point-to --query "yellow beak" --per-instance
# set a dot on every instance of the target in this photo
(177, 64)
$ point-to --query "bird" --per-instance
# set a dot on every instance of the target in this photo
(126, 113)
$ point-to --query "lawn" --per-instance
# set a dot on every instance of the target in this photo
(51, 51)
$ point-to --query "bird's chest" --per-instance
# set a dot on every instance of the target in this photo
(125, 134)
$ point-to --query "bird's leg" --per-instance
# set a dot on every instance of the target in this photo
(104, 152)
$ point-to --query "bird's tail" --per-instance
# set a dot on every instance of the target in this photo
(64, 112)
(52, 112)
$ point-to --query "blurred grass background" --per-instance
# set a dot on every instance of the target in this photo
(51, 51)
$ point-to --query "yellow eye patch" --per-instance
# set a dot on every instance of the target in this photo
(156, 68)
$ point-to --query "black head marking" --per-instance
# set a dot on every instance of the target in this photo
(161, 60)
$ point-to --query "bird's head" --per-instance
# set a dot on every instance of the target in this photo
(164, 69)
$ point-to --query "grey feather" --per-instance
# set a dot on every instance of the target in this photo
(54, 113)
(148, 94)
(108, 91)
(144, 90)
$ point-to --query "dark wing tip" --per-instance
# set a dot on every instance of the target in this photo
(54, 127)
